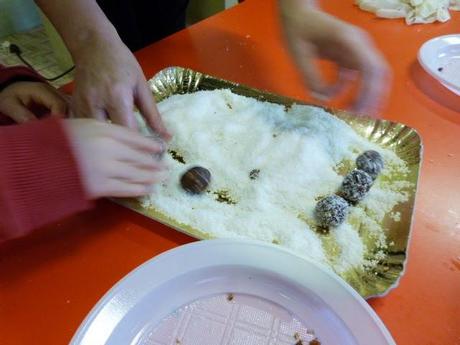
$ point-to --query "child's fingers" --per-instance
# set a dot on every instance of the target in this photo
(138, 158)
(123, 189)
(134, 139)
(60, 109)
(115, 161)
(133, 174)
(17, 111)
(50, 99)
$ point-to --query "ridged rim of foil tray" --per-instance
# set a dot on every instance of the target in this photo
(404, 140)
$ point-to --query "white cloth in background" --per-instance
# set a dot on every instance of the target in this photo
(414, 11)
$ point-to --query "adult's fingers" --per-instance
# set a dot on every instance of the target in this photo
(85, 106)
(344, 77)
(120, 107)
(374, 72)
(144, 101)
(375, 81)
(304, 55)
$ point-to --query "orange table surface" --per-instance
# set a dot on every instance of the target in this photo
(50, 280)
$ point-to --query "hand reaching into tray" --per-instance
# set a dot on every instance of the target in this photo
(109, 82)
(313, 34)
(109, 88)
(113, 160)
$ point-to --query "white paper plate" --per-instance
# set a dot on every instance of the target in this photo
(269, 286)
(440, 57)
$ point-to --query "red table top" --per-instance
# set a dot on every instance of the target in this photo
(50, 280)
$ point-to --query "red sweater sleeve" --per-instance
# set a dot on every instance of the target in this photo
(39, 179)
(9, 75)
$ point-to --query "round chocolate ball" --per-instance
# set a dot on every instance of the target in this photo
(195, 180)
(331, 211)
(355, 186)
(370, 162)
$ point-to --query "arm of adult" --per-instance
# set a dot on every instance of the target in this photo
(108, 80)
(312, 34)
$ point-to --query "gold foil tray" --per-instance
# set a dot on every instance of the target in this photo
(402, 139)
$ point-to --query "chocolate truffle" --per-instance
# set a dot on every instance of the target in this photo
(331, 211)
(355, 186)
(370, 162)
(195, 180)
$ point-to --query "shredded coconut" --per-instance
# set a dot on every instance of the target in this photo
(352, 248)
(396, 216)
(296, 152)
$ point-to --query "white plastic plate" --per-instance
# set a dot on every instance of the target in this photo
(440, 57)
(264, 281)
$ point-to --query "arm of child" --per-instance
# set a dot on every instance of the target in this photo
(39, 178)
(50, 169)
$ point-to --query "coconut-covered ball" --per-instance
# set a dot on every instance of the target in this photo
(355, 186)
(371, 162)
(331, 211)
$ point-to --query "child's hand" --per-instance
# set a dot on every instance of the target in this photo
(17, 99)
(113, 160)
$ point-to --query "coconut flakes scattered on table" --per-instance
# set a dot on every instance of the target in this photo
(296, 151)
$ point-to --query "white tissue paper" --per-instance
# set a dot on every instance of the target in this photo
(414, 11)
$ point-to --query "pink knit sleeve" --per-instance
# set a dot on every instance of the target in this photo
(39, 179)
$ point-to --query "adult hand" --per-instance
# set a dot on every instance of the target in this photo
(312, 34)
(113, 160)
(110, 83)
(17, 99)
